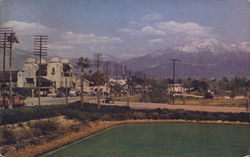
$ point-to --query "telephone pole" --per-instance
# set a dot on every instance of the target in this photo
(11, 39)
(116, 73)
(124, 70)
(5, 43)
(98, 63)
(173, 92)
(106, 70)
(40, 49)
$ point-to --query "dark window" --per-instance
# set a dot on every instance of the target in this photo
(53, 71)
(30, 80)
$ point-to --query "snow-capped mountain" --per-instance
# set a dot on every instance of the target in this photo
(244, 46)
(205, 58)
(213, 46)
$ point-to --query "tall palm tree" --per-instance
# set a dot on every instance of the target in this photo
(82, 64)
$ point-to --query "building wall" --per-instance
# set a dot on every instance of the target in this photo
(28, 72)
(55, 73)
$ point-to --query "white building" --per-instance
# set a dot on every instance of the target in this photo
(54, 74)
(178, 88)
(119, 81)
(27, 76)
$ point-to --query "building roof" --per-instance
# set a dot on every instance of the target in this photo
(55, 60)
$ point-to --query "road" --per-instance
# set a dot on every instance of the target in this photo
(136, 105)
(54, 101)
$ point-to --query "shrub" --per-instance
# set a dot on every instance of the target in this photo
(138, 115)
(9, 136)
(45, 125)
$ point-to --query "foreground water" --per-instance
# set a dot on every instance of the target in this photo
(163, 140)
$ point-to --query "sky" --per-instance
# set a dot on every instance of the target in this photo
(125, 28)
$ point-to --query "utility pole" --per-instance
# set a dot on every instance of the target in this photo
(11, 39)
(98, 63)
(5, 33)
(66, 92)
(116, 73)
(40, 49)
(106, 69)
(124, 69)
(173, 92)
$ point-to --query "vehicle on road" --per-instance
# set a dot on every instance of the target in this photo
(108, 100)
(17, 102)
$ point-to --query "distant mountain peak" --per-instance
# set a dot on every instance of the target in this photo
(160, 52)
(205, 45)
(213, 46)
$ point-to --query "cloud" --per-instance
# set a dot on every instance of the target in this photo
(125, 30)
(152, 17)
(132, 23)
(60, 47)
(189, 28)
(77, 38)
(25, 28)
(152, 31)
(156, 41)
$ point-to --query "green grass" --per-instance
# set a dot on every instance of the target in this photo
(132, 98)
(213, 102)
(163, 140)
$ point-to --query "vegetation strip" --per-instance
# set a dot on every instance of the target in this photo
(97, 127)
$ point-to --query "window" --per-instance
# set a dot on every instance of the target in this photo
(53, 71)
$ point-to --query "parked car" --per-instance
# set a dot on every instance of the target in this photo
(60, 95)
(6, 102)
(108, 100)
(18, 102)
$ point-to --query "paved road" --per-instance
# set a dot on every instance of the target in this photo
(136, 105)
(54, 101)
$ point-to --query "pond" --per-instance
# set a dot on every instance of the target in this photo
(162, 140)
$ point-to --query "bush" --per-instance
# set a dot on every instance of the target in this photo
(9, 136)
(138, 115)
(45, 125)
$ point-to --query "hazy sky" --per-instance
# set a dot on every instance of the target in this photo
(125, 28)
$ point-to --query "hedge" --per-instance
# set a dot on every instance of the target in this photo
(90, 113)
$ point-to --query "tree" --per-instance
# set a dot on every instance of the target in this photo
(82, 64)
(157, 92)
(98, 78)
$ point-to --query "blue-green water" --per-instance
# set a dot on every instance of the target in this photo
(163, 140)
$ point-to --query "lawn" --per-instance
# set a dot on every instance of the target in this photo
(161, 140)
(213, 102)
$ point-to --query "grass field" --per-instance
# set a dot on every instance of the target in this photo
(200, 102)
(213, 102)
(132, 98)
(162, 140)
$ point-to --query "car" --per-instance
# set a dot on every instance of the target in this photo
(108, 100)
(60, 95)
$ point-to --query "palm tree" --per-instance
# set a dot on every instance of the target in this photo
(82, 64)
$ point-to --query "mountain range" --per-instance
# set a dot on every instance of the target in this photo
(198, 59)
(207, 58)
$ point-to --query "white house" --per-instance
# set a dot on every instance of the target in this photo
(178, 88)
(52, 75)
(27, 76)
